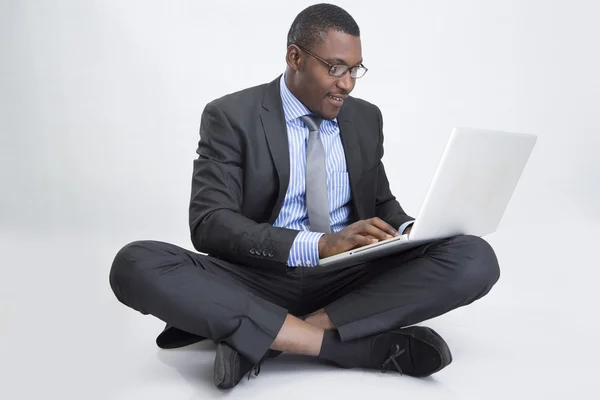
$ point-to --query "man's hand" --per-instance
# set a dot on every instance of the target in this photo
(360, 233)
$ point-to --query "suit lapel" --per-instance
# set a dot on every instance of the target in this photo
(351, 145)
(273, 122)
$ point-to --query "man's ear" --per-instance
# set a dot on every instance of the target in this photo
(293, 57)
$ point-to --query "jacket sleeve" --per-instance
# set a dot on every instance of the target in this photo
(386, 206)
(217, 226)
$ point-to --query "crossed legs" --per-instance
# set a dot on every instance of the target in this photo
(252, 311)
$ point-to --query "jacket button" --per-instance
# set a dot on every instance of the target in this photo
(252, 251)
(265, 253)
(271, 254)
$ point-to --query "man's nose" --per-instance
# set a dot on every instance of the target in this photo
(346, 82)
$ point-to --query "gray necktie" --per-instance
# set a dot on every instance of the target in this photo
(316, 178)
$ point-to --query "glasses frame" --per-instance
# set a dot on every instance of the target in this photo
(331, 66)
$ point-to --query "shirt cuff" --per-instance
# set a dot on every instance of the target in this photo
(305, 250)
(405, 225)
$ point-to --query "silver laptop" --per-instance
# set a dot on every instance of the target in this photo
(469, 192)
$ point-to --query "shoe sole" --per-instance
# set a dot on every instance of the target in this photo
(224, 357)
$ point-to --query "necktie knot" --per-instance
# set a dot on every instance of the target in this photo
(312, 122)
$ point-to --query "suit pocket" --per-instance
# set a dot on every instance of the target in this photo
(369, 171)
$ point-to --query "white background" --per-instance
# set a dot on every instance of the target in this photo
(100, 103)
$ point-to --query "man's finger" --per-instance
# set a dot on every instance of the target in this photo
(376, 232)
(384, 226)
(362, 240)
(373, 239)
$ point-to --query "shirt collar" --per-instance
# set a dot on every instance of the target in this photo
(292, 107)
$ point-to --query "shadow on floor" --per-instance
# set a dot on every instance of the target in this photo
(195, 364)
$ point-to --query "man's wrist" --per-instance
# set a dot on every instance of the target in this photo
(322, 245)
(402, 229)
(305, 250)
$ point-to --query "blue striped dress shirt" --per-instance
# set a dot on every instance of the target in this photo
(294, 214)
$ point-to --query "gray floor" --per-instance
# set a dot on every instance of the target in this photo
(64, 335)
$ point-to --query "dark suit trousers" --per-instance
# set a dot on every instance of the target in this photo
(199, 296)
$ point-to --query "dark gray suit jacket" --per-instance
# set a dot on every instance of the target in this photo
(242, 172)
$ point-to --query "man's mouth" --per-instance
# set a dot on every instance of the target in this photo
(337, 98)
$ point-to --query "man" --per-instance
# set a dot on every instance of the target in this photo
(289, 172)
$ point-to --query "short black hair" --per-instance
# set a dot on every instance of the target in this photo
(309, 26)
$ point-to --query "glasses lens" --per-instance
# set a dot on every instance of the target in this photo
(358, 72)
(338, 70)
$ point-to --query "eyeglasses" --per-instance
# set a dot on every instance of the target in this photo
(339, 70)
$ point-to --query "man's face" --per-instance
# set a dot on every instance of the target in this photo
(321, 92)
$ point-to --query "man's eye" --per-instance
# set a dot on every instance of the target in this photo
(338, 69)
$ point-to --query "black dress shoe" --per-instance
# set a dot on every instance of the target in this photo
(230, 366)
(415, 351)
